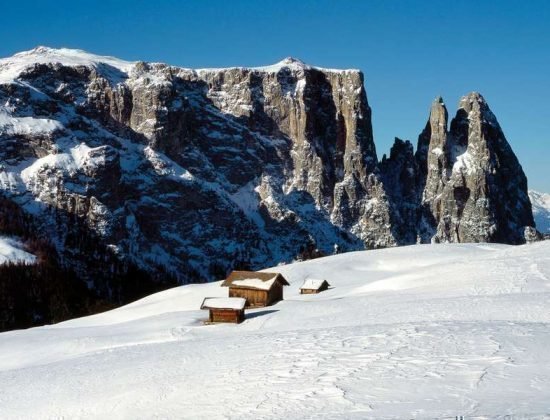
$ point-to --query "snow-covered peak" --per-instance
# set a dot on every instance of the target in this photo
(467, 101)
(41, 49)
(541, 210)
(12, 67)
(477, 107)
(289, 63)
(296, 64)
(68, 56)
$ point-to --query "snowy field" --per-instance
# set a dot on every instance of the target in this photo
(415, 332)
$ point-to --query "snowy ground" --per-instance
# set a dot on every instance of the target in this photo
(11, 251)
(415, 332)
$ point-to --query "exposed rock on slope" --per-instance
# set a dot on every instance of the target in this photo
(204, 170)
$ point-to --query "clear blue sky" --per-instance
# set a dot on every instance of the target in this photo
(410, 51)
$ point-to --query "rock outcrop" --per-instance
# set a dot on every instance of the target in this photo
(204, 170)
(475, 188)
(432, 156)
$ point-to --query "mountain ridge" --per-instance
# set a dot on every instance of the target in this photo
(201, 171)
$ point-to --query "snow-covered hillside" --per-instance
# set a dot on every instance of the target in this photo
(541, 210)
(10, 250)
(422, 331)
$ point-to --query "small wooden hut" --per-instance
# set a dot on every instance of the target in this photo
(225, 309)
(258, 288)
(312, 286)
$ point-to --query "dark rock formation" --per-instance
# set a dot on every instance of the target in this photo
(400, 176)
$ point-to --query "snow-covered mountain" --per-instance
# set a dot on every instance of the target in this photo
(195, 170)
(426, 331)
(203, 170)
(11, 250)
(541, 210)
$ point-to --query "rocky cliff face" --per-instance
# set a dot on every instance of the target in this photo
(194, 170)
(475, 188)
(203, 170)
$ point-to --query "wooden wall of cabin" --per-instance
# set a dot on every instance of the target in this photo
(314, 291)
(226, 315)
(275, 294)
(253, 297)
(308, 291)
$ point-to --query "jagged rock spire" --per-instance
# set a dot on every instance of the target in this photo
(475, 189)
(432, 144)
(399, 174)
(432, 159)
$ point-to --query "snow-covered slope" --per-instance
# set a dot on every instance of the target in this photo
(12, 67)
(541, 210)
(10, 251)
(415, 332)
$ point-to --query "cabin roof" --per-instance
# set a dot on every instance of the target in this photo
(313, 284)
(236, 303)
(254, 280)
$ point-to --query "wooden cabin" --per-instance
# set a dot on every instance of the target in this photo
(312, 286)
(258, 288)
(224, 309)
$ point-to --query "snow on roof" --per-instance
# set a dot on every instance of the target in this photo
(223, 303)
(313, 284)
(12, 67)
(255, 283)
(254, 279)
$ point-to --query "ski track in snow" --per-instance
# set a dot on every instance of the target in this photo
(415, 332)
